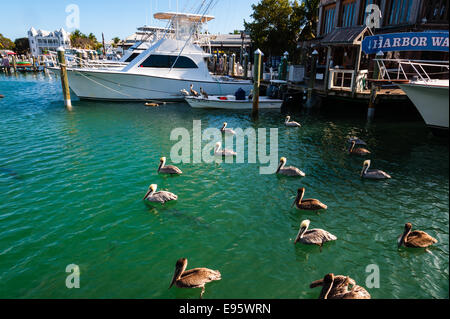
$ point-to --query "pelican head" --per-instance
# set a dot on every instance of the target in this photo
(224, 125)
(299, 197)
(303, 228)
(408, 227)
(152, 188)
(162, 162)
(180, 267)
(366, 166)
(328, 281)
(218, 146)
(163, 159)
(288, 118)
(282, 162)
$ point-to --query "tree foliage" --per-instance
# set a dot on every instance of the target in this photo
(82, 41)
(5, 43)
(278, 25)
(22, 45)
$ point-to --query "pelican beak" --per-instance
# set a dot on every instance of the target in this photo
(173, 280)
(300, 232)
(293, 204)
(148, 193)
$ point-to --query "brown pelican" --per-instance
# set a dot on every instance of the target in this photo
(170, 169)
(357, 140)
(307, 204)
(415, 239)
(193, 278)
(336, 287)
(373, 173)
(158, 197)
(314, 236)
(224, 152)
(358, 150)
(194, 92)
(291, 124)
(205, 95)
(226, 130)
(1, 96)
(184, 92)
(288, 171)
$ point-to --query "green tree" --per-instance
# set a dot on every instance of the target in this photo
(22, 45)
(309, 11)
(5, 43)
(116, 41)
(82, 41)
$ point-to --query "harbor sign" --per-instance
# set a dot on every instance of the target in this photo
(406, 41)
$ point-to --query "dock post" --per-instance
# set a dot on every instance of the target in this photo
(64, 79)
(215, 64)
(225, 64)
(312, 76)
(14, 63)
(246, 65)
(256, 82)
(371, 108)
(233, 63)
(34, 63)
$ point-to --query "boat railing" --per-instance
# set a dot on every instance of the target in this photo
(402, 69)
(79, 63)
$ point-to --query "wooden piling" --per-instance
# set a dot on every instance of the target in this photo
(14, 63)
(34, 63)
(246, 65)
(372, 100)
(256, 81)
(64, 79)
(233, 63)
(312, 75)
(225, 64)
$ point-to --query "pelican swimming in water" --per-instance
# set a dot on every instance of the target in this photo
(226, 130)
(373, 173)
(158, 197)
(224, 152)
(193, 278)
(205, 95)
(291, 124)
(415, 239)
(358, 150)
(169, 169)
(336, 287)
(314, 236)
(194, 92)
(288, 171)
(307, 204)
(357, 141)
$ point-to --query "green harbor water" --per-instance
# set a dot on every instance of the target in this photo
(71, 188)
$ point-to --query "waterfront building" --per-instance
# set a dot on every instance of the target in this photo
(342, 67)
(43, 41)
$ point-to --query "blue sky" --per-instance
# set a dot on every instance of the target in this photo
(112, 17)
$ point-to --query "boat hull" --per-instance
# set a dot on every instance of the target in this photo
(213, 102)
(121, 86)
(431, 101)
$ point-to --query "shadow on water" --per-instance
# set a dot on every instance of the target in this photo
(10, 173)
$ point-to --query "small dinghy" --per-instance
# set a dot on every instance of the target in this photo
(230, 102)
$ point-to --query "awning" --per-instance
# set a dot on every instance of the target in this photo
(348, 36)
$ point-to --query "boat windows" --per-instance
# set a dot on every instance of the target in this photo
(131, 57)
(166, 61)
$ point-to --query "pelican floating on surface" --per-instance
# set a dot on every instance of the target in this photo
(415, 239)
(288, 171)
(158, 197)
(314, 236)
(194, 92)
(169, 169)
(307, 204)
(226, 130)
(357, 141)
(224, 152)
(193, 278)
(359, 150)
(336, 287)
(291, 124)
(373, 173)
(205, 95)
(184, 92)
(1, 96)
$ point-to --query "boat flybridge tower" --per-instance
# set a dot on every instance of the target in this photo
(186, 25)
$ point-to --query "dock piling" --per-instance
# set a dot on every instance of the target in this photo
(64, 79)
(256, 81)
(312, 77)
(14, 63)
(371, 108)
(233, 63)
(246, 65)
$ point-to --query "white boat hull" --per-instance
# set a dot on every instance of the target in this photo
(213, 102)
(431, 101)
(122, 86)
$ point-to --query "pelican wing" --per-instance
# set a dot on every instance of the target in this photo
(228, 153)
(317, 237)
(162, 197)
(312, 204)
(376, 174)
(170, 169)
(420, 239)
(357, 292)
(291, 171)
(198, 277)
(293, 124)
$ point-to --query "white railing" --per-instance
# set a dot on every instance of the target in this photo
(76, 62)
(397, 69)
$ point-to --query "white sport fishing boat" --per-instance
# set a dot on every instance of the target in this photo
(160, 72)
(230, 102)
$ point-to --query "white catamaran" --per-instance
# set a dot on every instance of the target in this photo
(168, 66)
